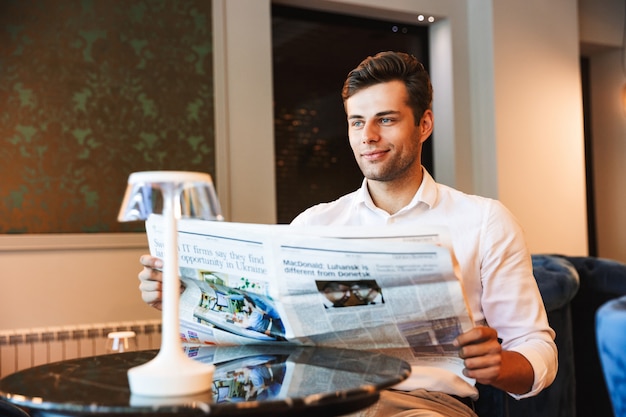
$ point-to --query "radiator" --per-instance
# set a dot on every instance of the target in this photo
(25, 348)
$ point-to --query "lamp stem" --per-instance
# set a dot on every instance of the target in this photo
(171, 284)
(171, 372)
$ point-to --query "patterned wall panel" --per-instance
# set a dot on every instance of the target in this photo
(91, 91)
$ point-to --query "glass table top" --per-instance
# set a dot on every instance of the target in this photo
(248, 380)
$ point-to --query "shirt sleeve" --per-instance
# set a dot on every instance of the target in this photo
(511, 300)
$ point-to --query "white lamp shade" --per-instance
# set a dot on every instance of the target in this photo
(144, 195)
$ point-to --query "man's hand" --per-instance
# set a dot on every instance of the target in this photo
(487, 363)
(150, 280)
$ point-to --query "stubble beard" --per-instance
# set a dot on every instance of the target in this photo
(389, 170)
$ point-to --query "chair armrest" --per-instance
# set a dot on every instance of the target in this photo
(557, 279)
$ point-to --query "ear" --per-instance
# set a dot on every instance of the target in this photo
(426, 125)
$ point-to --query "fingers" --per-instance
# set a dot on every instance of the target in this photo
(149, 274)
(151, 262)
(487, 375)
(150, 292)
(151, 268)
(476, 335)
(149, 287)
(481, 353)
(150, 280)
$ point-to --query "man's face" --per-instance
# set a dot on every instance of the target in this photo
(383, 135)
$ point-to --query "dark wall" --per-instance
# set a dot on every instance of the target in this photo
(91, 91)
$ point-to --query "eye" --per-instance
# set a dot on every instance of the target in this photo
(357, 123)
(386, 120)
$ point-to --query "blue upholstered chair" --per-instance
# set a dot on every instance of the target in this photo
(601, 280)
(558, 283)
(611, 338)
(10, 410)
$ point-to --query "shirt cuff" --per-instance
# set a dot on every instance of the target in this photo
(544, 361)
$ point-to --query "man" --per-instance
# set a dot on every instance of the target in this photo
(263, 317)
(387, 100)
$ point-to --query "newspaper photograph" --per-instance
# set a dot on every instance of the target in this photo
(393, 290)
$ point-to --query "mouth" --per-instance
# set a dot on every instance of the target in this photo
(374, 155)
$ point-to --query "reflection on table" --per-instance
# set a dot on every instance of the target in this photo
(248, 380)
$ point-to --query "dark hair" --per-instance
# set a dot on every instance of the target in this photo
(392, 66)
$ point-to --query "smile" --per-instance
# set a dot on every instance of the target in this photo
(373, 155)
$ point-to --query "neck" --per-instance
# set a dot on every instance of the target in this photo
(392, 196)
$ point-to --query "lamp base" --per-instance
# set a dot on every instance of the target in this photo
(169, 376)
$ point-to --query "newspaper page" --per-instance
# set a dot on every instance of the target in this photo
(393, 290)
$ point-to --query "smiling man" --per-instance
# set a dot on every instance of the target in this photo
(388, 100)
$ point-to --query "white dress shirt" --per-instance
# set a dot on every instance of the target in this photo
(496, 270)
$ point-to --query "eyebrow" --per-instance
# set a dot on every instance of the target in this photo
(379, 114)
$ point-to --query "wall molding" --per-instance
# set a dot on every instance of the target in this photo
(72, 241)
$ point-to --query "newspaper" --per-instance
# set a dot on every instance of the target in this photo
(391, 290)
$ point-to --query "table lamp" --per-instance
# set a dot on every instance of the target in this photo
(182, 194)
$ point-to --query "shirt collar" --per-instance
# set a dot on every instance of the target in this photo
(426, 193)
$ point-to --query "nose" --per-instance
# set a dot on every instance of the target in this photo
(370, 133)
